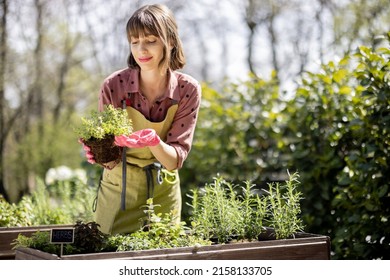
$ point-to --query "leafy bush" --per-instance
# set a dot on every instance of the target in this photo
(63, 202)
(339, 141)
(362, 193)
(11, 214)
(237, 134)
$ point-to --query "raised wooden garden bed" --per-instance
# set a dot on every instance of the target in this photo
(304, 246)
(9, 234)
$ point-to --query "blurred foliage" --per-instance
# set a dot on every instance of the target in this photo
(334, 131)
(39, 151)
(236, 128)
(62, 202)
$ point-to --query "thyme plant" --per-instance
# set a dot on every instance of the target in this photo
(110, 121)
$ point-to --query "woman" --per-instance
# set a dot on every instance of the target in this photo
(163, 105)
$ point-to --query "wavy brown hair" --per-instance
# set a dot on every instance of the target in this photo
(157, 20)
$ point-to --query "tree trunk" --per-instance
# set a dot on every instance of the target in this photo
(3, 57)
(250, 19)
(37, 91)
(274, 47)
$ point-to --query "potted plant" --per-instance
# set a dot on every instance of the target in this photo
(228, 222)
(98, 131)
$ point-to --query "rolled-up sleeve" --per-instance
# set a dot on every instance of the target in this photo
(181, 134)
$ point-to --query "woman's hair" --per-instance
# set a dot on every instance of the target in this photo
(159, 21)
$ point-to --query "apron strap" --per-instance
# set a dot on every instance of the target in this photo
(94, 203)
(124, 169)
(149, 177)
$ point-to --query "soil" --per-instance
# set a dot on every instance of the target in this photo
(104, 150)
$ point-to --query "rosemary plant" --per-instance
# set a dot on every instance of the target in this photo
(216, 211)
(254, 209)
(284, 207)
(219, 211)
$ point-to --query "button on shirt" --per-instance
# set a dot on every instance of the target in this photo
(182, 90)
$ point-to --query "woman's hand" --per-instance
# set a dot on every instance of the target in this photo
(91, 158)
(139, 139)
(88, 154)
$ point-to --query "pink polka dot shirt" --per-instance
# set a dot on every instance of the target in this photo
(182, 90)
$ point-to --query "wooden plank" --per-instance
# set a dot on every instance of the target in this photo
(315, 248)
(305, 246)
(32, 254)
(7, 255)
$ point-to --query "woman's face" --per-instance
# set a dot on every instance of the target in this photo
(147, 51)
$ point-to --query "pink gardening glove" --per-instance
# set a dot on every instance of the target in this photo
(88, 154)
(139, 139)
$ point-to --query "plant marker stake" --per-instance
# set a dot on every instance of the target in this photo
(62, 236)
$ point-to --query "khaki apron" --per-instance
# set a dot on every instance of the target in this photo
(166, 192)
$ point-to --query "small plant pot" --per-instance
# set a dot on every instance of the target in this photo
(104, 150)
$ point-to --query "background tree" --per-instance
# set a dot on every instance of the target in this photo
(3, 62)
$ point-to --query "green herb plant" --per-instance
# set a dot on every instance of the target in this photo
(216, 213)
(223, 211)
(88, 239)
(100, 124)
(284, 207)
(10, 214)
(254, 210)
(39, 240)
(159, 231)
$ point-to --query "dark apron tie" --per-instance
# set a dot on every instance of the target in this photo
(149, 177)
(148, 171)
(124, 169)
